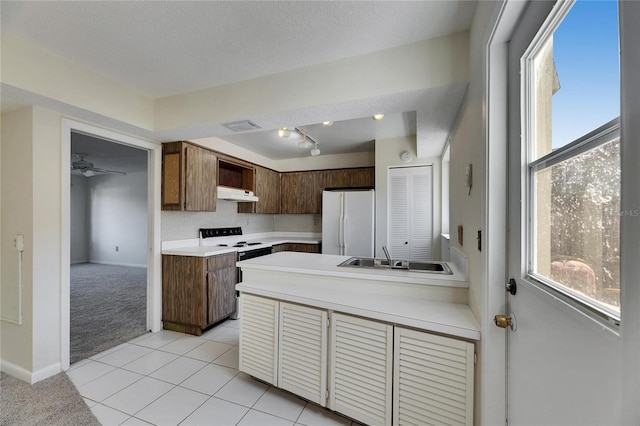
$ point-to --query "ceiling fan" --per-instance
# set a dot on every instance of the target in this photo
(86, 169)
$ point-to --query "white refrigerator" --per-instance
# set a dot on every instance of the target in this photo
(348, 224)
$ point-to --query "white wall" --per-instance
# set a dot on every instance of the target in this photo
(184, 225)
(387, 154)
(297, 222)
(17, 218)
(80, 231)
(118, 217)
(467, 147)
(47, 129)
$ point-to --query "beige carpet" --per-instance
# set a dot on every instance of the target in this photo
(53, 401)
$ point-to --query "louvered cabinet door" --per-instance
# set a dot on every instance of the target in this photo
(259, 337)
(361, 369)
(433, 380)
(302, 367)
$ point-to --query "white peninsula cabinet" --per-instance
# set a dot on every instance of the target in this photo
(371, 371)
(382, 347)
(361, 369)
(286, 345)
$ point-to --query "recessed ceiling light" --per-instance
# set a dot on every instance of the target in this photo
(328, 123)
(283, 132)
(378, 117)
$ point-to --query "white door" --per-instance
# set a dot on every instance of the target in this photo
(410, 212)
(564, 356)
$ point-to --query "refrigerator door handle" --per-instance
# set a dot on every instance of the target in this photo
(341, 226)
(344, 224)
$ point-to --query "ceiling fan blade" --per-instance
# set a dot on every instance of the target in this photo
(114, 172)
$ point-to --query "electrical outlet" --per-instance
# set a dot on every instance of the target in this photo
(315, 223)
(18, 242)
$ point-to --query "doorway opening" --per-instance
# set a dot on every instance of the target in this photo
(108, 245)
(148, 220)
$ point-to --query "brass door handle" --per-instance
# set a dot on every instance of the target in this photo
(504, 321)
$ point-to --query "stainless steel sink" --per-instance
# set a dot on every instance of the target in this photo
(413, 266)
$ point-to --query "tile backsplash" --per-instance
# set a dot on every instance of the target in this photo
(184, 225)
(297, 222)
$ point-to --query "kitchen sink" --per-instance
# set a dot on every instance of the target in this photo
(413, 266)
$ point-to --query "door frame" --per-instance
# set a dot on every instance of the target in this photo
(492, 378)
(154, 283)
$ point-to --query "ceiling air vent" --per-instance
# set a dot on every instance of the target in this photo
(241, 126)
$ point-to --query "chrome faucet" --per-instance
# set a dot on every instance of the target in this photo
(386, 253)
(398, 264)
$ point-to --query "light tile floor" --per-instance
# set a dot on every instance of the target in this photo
(169, 378)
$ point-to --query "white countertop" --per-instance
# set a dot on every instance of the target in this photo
(455, 319)
(327, 265)
(209, 246)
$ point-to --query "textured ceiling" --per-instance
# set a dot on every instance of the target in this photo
(160, 48)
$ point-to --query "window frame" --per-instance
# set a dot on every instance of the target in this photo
(603, 134)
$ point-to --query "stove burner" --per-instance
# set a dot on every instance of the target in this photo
(240, 244)
(245, 244)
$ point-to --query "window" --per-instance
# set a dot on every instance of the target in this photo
(572, 105)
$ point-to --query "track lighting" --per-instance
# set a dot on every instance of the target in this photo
(305, 143)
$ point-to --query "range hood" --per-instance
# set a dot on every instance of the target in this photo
(235, 194)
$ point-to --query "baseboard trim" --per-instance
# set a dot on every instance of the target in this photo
(77, 262)
(28, 376)
(133, 265)
(46, 372)
(15, 371)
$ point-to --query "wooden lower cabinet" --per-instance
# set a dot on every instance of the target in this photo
(197, 291)
(371, 371)
(300, 247)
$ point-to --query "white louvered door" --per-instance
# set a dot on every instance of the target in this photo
(259, 337)
(302, 367)
(361, 369)
(433, 379)
(410, 213)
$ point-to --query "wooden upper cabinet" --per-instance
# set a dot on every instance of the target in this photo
(350, 178)
(188, 177)
(302, 191)
(267, 189)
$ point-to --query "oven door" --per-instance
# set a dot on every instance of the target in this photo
(246, 255)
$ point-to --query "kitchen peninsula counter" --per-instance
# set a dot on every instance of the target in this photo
(431, 302)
